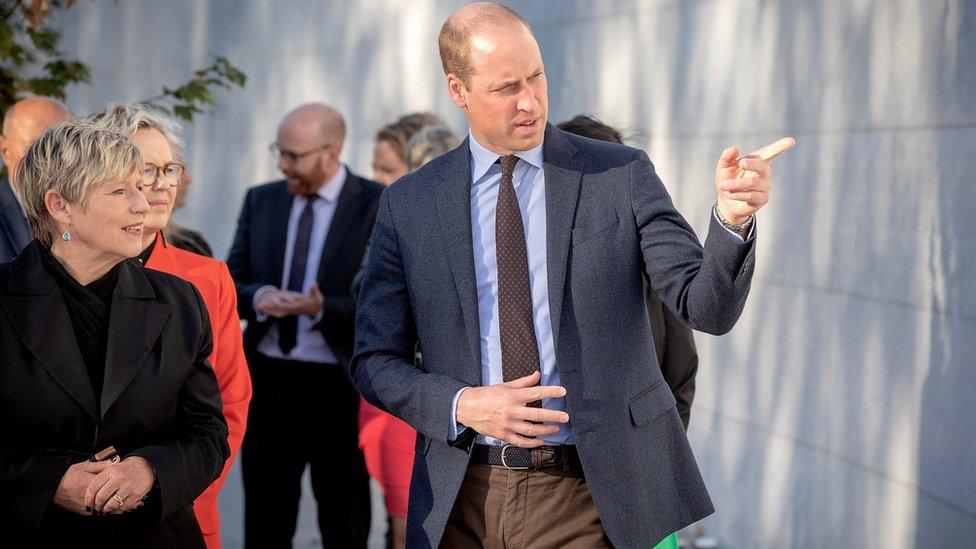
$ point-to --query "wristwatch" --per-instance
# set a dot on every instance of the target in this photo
(737, 229)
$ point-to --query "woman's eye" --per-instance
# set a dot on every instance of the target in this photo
(118, 192)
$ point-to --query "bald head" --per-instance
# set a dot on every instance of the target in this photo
(464, 24)
(309, 143)
(23, 122)
(315, 123)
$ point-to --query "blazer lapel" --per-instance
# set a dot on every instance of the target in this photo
(346, 213)
(563, 171)
(278, 232)
(133, 327)
(453, 195)
(41, 319)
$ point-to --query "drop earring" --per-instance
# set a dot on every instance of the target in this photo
(66, 236)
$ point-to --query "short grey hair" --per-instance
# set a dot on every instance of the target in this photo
(128, 118)
(71, 159)
(429, 143)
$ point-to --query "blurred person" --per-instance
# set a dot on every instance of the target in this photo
(429, 143)
(156, 136)
(389, 153)
(22, 122)
(387, 442)
(674, 343)
(178, 235)
(298, 244)
(100, 354)
(522, 250)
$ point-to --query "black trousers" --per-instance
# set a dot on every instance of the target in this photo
(303, 413)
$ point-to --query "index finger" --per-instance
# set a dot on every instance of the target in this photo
(539, 392)
(774, 149)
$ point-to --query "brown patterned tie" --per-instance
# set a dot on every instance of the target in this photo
(520, 353)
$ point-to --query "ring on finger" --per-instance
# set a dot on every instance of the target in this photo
(119, 499)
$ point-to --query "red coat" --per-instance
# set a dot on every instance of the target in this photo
(214, 283)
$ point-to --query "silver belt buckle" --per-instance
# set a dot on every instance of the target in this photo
(505, 465)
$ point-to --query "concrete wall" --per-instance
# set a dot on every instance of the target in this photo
(840, 411)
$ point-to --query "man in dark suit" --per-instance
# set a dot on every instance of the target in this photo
(23, 121)
(519, 258)
(298, 245)
(674, 343)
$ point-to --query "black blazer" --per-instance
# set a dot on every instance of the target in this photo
(258, 254)
(674, 345)
(160, 400)
(14, 232)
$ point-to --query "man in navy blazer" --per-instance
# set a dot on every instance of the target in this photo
(23, 121)
(299, 243)
(604, 460)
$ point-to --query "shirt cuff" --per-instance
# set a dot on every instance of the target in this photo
(752, 226)
(318, 316)
(456, 428)
(258, 315)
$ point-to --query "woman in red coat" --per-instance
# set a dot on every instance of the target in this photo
(156, 138)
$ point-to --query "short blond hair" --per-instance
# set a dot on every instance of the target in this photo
(454, 40)
(429, 143)
(128, 118)
(71, 159)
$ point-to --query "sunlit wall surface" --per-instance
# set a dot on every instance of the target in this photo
(841, 411)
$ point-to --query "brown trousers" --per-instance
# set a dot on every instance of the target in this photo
(499, 508)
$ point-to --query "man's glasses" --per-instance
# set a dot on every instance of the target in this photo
(171, 173)
(293, 157)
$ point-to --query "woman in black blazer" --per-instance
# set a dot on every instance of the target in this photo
(98, 353)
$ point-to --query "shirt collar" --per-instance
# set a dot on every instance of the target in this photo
(482, 158)
(330, 191)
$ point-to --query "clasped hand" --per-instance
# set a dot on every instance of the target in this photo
(280, 303)
(107, 487)
(500, 411)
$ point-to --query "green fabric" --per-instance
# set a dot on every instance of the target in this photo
(670, 542)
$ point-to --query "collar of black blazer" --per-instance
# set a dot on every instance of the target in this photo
(28, 276)
(41, 319)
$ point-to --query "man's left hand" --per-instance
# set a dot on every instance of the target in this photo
(304, 304)
(744, 184)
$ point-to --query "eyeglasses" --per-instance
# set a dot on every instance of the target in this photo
(171, 173)
(293, 157)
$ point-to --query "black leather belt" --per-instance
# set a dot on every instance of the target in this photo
(563, 458)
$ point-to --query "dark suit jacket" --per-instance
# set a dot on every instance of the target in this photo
(674, 346)
(14, 232)
(160, 400)
(258, 254)
(609, 221)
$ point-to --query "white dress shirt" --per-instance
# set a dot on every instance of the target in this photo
(311, 346)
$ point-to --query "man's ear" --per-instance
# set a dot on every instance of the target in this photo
(458, 91)
(4, 149)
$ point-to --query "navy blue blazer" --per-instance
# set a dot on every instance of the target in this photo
(14, 232)
(257, 256)
(609, 222)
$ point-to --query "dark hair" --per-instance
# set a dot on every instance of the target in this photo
(588, 126)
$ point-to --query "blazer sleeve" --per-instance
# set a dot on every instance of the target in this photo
(383, 365)
(234, 380)
(338, 322)
(239, 261)
(192, 455)
(28, 481)
(705, 287)
(680, 364)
